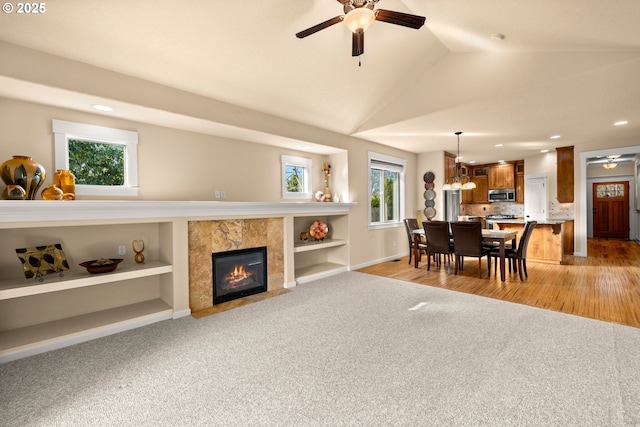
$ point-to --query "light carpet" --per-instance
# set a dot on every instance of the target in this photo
(351, 349)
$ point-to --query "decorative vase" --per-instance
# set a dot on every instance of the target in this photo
(66, 181)
(25, 172)
(14, 192)
(51, 193)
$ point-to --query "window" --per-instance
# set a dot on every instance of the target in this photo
(386, 190)
(296, 177)
(103, 160)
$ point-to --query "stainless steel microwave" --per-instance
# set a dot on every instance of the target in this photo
(502, 195)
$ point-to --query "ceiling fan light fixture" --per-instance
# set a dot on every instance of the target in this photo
(360, 18)
(610, 165)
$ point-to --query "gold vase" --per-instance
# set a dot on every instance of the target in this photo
(13, 192)
(66, 181)
(51, 193)
(25, 172)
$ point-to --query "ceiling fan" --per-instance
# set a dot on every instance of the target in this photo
(359, 15)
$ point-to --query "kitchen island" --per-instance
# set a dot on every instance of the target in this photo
(548, 239)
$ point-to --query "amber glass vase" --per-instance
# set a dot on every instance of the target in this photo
(51, 193)
(25, 172)
(66, 181)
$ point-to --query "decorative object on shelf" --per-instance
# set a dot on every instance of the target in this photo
(320, 196)
(326, 170)
(38, 261)
(51, 193)
(25, 172)
(304, 236)
(318, 230)
(13, 192)
(336, 198)
(101, 265)
(457, 181)
(428, 178)
(139, 256)
(66, 181)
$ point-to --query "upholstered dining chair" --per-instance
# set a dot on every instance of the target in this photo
(438, 241)
(518, 254)
(467, 241)
(411, 224)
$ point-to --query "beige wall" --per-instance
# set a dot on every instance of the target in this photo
(181, 165)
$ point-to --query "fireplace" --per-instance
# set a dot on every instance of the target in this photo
(239, 273)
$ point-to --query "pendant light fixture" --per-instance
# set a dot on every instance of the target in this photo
(457, 181)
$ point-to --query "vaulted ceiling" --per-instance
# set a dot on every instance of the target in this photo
(565, 67)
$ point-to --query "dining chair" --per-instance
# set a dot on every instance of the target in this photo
(518, 254)
(467, 241)
(438, 241)
(411, 224)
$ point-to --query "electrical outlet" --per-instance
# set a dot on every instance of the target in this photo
(217, 194)
(223, 194)
(122, 250)
(394, 243)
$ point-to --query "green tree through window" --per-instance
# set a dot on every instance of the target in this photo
(295, 179)
(95, 163)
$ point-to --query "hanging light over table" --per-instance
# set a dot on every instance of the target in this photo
(457, 181)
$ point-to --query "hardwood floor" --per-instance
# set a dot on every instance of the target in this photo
(604, 286)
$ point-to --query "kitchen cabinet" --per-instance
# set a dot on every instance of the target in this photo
(565, 174)
(449, 167)
(519, 181)
(481, 179)
(501, 176)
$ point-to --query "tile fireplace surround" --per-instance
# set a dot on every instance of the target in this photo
(207, 237)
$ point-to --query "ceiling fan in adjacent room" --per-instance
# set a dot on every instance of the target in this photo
(359, 15)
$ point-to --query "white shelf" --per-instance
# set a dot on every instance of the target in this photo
(30, 340)
(78, 278)
(317, 271)
(312, 245)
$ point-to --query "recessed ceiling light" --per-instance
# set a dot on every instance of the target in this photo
(498, 145)
(554, 137)
(497, 36)
(544, 151)
(472, 161)
(620, 123)
(102, 107)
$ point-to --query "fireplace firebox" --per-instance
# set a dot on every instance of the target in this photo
(239, 273)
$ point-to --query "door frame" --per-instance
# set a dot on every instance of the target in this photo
(582, 197)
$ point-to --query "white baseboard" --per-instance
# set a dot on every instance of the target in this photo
(378, 261)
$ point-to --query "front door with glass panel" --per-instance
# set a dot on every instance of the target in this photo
(611, 209)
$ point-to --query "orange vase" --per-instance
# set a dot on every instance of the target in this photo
(66, 181)
(25, 172)
(51, 193)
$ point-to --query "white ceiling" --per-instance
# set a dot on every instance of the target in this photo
(567, 67)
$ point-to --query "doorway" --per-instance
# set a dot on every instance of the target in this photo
(535, 197)
(611, 209)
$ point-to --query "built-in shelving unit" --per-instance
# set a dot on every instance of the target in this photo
(315, 259)
(38, 316)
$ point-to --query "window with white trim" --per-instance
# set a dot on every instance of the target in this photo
(386, 190)
(104, 160)
(296, 177)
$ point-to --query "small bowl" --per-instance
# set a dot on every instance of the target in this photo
(103, 265)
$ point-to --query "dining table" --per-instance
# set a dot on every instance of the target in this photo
(489, 236)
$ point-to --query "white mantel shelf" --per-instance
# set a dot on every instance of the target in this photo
(25, 211)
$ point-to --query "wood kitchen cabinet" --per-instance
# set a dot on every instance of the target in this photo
(481, 179)
(520, 181)
(501, 176)
(449, 167)
(565, 174)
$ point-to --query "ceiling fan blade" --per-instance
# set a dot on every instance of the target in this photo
(399, 18)
(321, 26)
(343, 1)
(357, 42)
